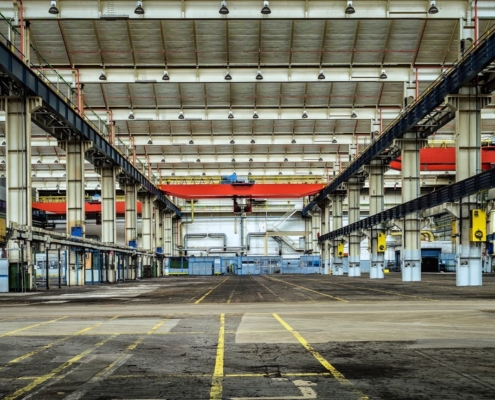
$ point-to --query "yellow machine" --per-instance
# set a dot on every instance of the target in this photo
(340, 250)
(381, 242)
(477, 233)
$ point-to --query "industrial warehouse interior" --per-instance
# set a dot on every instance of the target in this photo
(247, 199)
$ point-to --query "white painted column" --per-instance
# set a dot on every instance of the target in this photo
(468, 107)
(336, 262)
(159, 213)
(167, 240)
(130, 213)
(377, 258)
(353, 195)
(19, 186)
(325, 228)
(316, 228)
(75, 150)
(411, 144)
(147, 226)
(108, 211)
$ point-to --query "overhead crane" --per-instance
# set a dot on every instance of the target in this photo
(425, 116)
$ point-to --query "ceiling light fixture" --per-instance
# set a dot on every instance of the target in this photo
(350, 9)
(150, 141)
(250, 160)
(102, 77)
(310, 172)
(163, 159)
(280, 173)
(4, 143)
(38, 161)
(353, 115)
(56, 161)
(139, 8)
(228, 77)
(181, 115)
(305, 114)
(320, 159)
(286, 159)
(98, 186)
(33, 175)
(231, 115)
(233, 160)
(53, 9)
(255, 115)
(334, 140)
(232, 141)
(293, 141)
(253, 141)
(131, 115)
(173, 173)
(198, 160)
(204, 174)
(383, 75)
(259, 77)
(223, 8)
(433, 8)
(191, 142)
(165, 76)
(266, 10)
(321, 75)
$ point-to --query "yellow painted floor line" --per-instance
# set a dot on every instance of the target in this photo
(329, 367)
(31, 327)
(216, 382)
(56, 371)
(378, 290)
(202, 298)
(105, 373)
(6, 319)
(309, 290)
(150, 332)
(47, 346)
(182, 376)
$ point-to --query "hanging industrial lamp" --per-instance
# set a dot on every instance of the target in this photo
(53, 8)
(265, 10)
(350, 9)
(223, 8)
(139, 8)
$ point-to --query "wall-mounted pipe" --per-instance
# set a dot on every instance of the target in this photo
(221, 235)
(192, 235)
(253, 234)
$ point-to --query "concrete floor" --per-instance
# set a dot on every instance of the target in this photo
(251, 337)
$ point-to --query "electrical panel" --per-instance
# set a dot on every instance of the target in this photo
(340, 250)
(381, 243)
(477, 233)
(454, 230)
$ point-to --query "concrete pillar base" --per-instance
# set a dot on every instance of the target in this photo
(411, 266)
(354, 267)
(377, 266)
(337, 267)
(469, 266)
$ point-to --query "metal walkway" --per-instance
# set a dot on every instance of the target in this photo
(465, 70)
(59, 114)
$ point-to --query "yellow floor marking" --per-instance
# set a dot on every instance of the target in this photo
(377, 290)
(202, 298)
(329, 367)
(47, 346)
(181, 376)
(150, 332)
(216, 383)
(233, 291)
(51, 374)
(309, 290)
(31, 327)
(6, 319)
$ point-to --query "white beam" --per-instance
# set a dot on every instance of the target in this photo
(201, 9)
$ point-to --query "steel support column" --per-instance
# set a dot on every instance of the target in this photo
(75, 150)
(354, 186)
(167, 240)
(325, 227)
(410, 145)
(376, 169)
(316, 227)
(468, 105)
(147, 225)
(131, 214)
(337, 262)
(19, 187)
(159, 213)
(108, 211)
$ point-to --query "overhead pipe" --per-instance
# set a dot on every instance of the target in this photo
(192, 235)
(253, 234)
